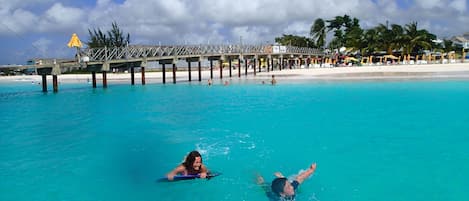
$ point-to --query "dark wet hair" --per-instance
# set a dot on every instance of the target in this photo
(277, 185)
(190, 158)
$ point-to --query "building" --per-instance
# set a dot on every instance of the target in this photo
(462, 41)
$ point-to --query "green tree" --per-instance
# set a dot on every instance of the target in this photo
(336, 25)
(369, 42)
(417, 40)
(318, 32)
(354, 35)
(114, 38)
(347, 32)
(385, 38)
(293, 40)
(448, 45)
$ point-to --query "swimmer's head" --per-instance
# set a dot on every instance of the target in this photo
(277, 185)
(281, 187)
(193, 161)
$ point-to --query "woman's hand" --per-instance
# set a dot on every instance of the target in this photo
(203, 175)
(313, 166)
(279, 175)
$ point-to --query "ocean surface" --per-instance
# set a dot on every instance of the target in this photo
(371, 140)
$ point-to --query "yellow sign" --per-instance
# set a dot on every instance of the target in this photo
(74, 41)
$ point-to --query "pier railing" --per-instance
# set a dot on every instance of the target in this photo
(142, 51)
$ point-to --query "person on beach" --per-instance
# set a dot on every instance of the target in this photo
(281, 189)
(209, 82)
(226, 83)
(192, 165)
(273, 81)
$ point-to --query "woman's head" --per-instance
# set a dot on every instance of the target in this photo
(193, 161)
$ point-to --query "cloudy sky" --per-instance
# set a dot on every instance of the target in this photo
(42, 28)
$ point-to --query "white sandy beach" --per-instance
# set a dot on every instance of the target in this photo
(429, 71)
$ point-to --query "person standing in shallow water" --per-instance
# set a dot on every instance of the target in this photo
(192, 165)
(273, 81)
(283, 190)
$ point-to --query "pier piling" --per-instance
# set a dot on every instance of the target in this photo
(200, 71)
(189, 69)
(174, 73)
(132, 75)
(164, 73)
(104, 79)
(44, 83)
(93, 78)
(143, 75)
(55, 84)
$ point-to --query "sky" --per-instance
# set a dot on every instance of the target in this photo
(42, 28)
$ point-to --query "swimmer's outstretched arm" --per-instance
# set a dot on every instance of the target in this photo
(177, 170)
(260, 181)
(203, 173)
(301, 177)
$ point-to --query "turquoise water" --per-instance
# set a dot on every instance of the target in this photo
(397, 140)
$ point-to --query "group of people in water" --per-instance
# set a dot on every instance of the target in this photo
(273, 81)
(280, 189)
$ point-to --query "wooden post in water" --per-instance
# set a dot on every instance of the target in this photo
(221, 68)
(174, 73)
(44, 83)
(93, 78)
(143, 75)
(229, 63)
(132, 75)
(55, 84)
(200, 71)
(164, 73)
(211, 69)
(104, 79)
(239, 67)
(189, 66)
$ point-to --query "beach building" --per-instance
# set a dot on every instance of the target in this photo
(463, 40)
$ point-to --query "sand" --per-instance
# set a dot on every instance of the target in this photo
(430, 71)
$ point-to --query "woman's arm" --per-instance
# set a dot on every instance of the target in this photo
(300, 178)
(178, 169)
(203, 171)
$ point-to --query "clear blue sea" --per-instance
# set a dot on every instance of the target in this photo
(371, 140)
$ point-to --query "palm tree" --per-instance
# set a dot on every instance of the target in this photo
(318, 32)
(416, 39)
(398, 40)
(385, 38)
(369, 42)
(336, 25)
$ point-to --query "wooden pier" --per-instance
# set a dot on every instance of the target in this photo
(102, 60)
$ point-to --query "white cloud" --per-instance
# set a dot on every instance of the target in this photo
(208, 21)
(459, 5)
(61, 18)
(17, 22)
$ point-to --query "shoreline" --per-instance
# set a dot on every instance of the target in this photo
(394, 72)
